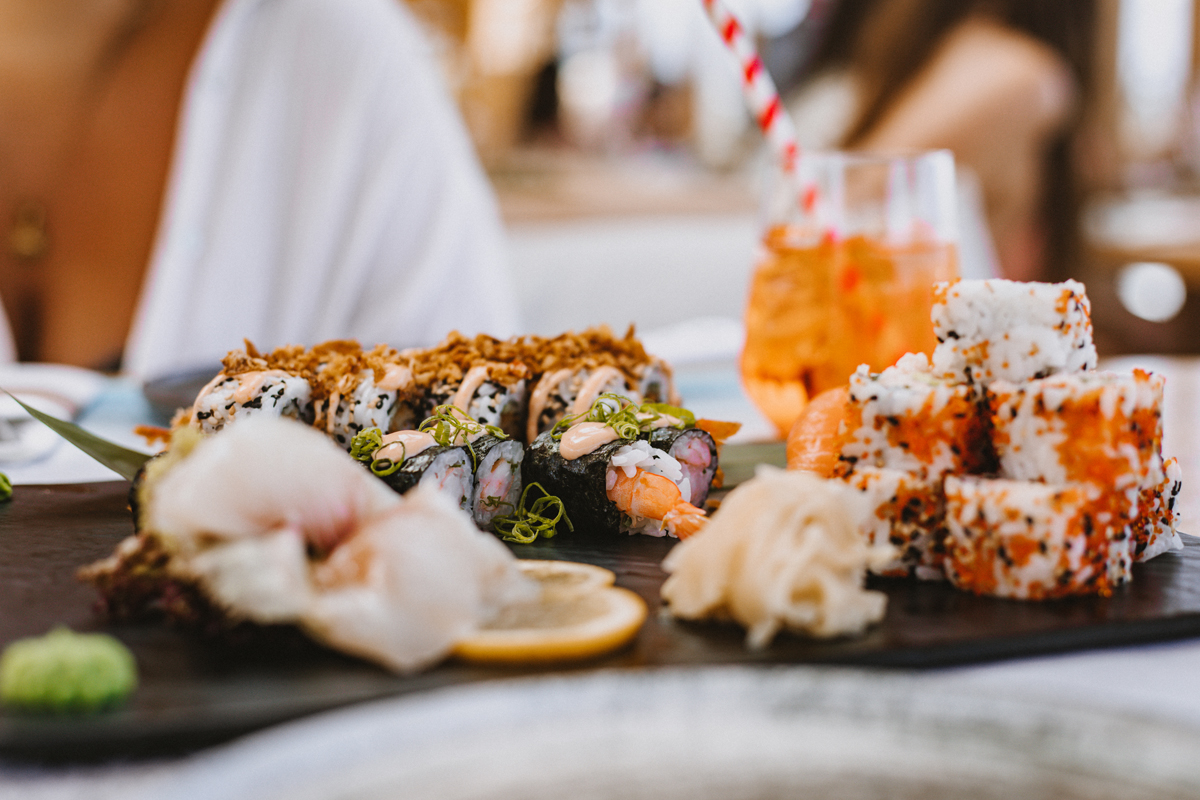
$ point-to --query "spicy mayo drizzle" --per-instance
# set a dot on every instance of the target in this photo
(250, 383)
(470, 384)
(539, 398)
(592, 387)
(400, 445)
(583, 438)
(395, 376)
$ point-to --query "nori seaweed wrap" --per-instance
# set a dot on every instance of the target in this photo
(448, 468)
(497, 478)
(696, 452)
(579, 483)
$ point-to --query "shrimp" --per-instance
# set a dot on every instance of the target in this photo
(654, 497)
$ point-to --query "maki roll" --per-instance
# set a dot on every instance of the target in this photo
(656, 383)
(696, 452)
(271, 392)
(488, 394)
(578, 482)
(620, 486)
(359, 403)
(908, 418)
(497, 478)
(1032, 541)
(408, 458)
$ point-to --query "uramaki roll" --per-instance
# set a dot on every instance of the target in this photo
(1032, 541)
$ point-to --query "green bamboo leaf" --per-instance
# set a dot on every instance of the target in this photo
(121, 460)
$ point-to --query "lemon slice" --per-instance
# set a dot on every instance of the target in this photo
(566, 577)
(579, 615)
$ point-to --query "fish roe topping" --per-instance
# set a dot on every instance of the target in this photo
(1100, 427)
(907, 419)
(1032, 541)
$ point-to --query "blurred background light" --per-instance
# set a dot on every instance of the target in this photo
(1151, 290)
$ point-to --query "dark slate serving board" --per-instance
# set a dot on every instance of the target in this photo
(194, 693)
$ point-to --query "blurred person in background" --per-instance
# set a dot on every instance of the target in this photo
(176, 175)
(1001, 83)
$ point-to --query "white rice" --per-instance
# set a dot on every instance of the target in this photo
(909, 393)
(278, 395)
(998, 329)
(916, 532)
(368, 407)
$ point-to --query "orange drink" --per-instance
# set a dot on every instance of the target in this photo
(853, 288)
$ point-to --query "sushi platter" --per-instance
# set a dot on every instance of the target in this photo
(1003, 498)
(194, 693)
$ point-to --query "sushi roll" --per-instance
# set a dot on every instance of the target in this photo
(1031, 541)
(568, 392)
(696, 452)
(1098, 427)
(1008, 330)
(358, 404)
(491, 394)
(906, 418)
(497, 478)
(1154, 530)
(908, 512)
(619, 486)
(268, 392)
(655, 383)
(409, 458)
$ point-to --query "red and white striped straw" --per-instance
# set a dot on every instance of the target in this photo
(759, 90)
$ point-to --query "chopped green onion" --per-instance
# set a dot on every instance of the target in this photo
(450, 426)
(530, 521)
(364, 445)
(686, 418)
(386, 466)
(627, 418)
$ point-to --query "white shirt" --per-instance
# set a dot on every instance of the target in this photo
(321, 186)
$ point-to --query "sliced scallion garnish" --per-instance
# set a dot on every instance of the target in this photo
(365, 443)
(529, 521)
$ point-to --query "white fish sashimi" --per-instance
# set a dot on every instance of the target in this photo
(395, 579)
(264, 577)
(262, 475)
(412, 582)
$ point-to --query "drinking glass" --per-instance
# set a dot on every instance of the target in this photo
(851, 247)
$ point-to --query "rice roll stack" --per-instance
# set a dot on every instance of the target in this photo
(447, 469)
(566, 392)
(696, 452)
(497, 479)
(1032, 541)
(998, 329)
(908, 512)
(1100, 427)
(272, 392)
(906, 418)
